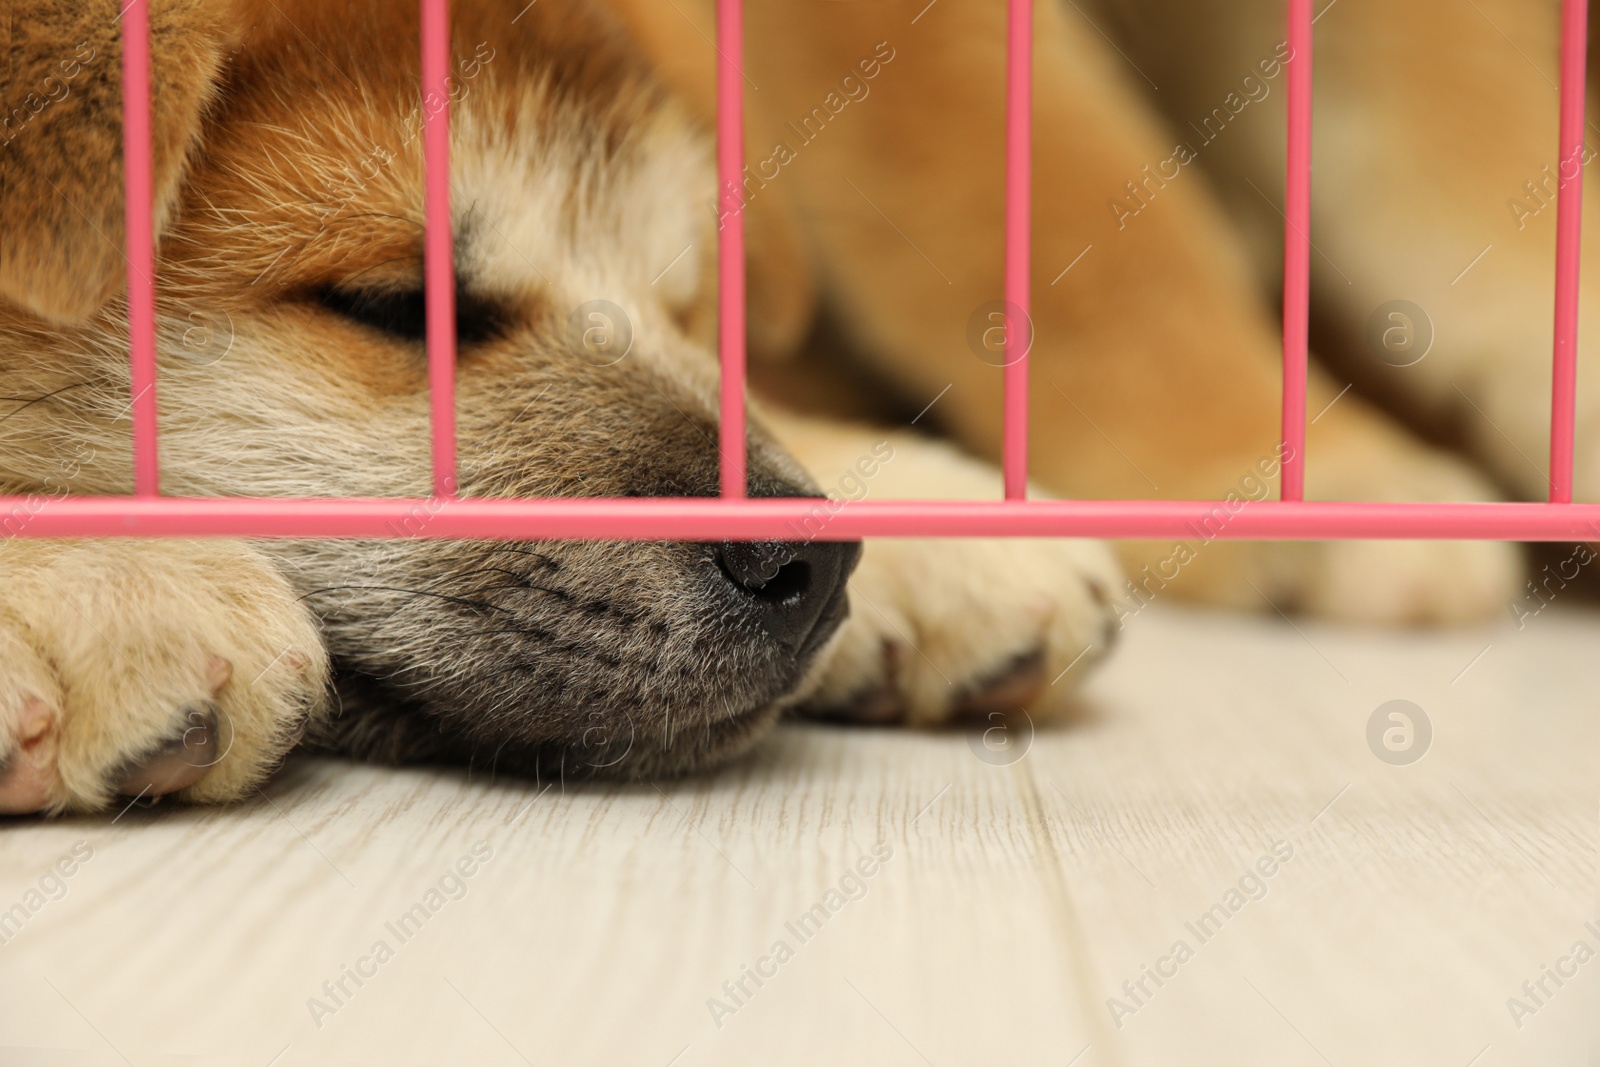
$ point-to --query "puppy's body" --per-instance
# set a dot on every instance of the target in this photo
(289, 183)
(1156, 362)
(293, 366)
(1437, 171)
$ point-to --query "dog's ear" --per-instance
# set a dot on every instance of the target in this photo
(61, 202)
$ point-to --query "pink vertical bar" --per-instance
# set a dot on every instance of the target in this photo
(1569, 235)
(137, 210)
(730, 243)
(1019, 192)
(1297, 253)
(438, 251)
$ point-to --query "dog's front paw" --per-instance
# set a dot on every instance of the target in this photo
(144, 669)
(1358, 457)
(945, 629)
(1394, 583)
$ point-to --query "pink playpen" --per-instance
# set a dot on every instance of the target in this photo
(147, 513)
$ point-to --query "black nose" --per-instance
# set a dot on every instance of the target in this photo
(796, 590)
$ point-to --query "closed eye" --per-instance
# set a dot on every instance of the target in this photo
(402, 313)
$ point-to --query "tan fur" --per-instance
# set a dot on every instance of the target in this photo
(1436, 141)
(1155, 367)
(289, 168)
(61, 166)
(934, 620)
(117, 637)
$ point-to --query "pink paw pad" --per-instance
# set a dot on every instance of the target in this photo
(28, 772)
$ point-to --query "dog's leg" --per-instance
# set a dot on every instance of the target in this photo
(145, 668)
(1434, 202)
(1155, 366)
(1434, 206)
(943, 628)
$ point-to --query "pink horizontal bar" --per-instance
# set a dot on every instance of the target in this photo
(706, 519)
(1296, 252)
(1569, 240)
(138, 209)
(730, 245)
(1018, 221)
(438, 243)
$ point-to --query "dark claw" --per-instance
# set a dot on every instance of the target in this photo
(1011, 688)
(178, 763)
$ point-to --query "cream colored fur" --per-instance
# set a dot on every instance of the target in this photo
(576, 175)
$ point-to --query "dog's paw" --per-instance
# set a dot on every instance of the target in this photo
(941, 629)
(1381, 583)
(947, 629)
(145, 669)
(1411, 583)
(1407, 583)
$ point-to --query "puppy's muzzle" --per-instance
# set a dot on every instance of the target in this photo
(794, 591)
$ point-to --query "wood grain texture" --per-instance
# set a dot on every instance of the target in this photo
(1017, 899)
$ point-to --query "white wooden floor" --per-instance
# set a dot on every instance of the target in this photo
(1015, 900)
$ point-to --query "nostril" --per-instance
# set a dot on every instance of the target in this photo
(795, 591)
(769, 570)
(793, 580)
